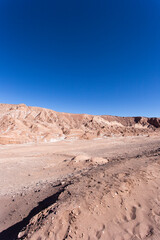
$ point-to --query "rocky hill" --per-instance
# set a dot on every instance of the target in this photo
(24, 124)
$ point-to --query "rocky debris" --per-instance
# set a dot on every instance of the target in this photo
(81, 157)
(154, 122)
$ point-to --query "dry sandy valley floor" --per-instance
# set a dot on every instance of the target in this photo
(81, 189)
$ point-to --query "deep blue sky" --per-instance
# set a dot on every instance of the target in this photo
(81, 56)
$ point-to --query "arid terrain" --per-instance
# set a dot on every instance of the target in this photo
(23, 124)
(78, 176)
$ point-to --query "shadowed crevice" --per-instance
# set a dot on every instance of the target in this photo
(12, 232)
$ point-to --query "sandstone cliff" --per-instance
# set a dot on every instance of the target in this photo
(24, 124)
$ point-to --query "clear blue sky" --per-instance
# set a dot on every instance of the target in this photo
(81, 56)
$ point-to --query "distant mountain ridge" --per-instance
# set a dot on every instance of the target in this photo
(24, 124)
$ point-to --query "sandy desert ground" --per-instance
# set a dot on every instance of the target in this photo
(81, 189)
(78, 176)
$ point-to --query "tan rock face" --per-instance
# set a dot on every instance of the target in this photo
(23, 124)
